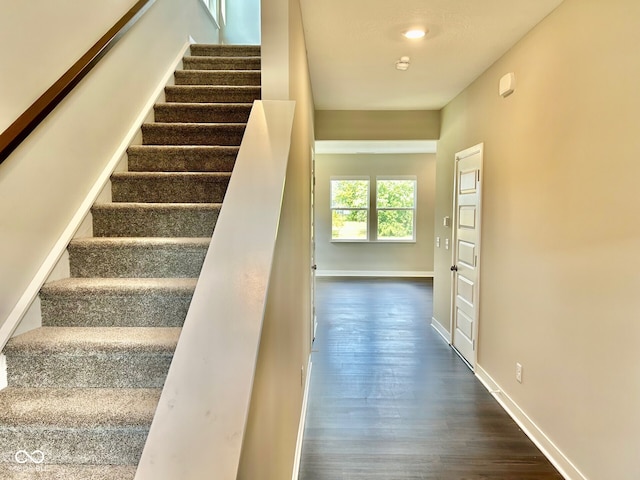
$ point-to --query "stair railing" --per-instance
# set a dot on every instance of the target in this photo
(20, 129)
(199, 425)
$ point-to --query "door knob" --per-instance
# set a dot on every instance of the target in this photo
(454, 268)
(314, 267)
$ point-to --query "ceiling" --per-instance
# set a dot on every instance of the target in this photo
(353, 46)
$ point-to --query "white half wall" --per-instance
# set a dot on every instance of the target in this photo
(376, 256)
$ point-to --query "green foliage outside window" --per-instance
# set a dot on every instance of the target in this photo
(395, 204)
(395, 200)
(349, 214)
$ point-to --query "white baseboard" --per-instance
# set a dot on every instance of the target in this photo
(437, 326)
(3, 372)
(303, 419)
(559, 460)
(50, 262)
(374, 273)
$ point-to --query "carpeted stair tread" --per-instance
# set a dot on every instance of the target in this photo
(116, 302)
(202, 112)
(212, 93)
(169, 187)
(193, 133)
(91, 357)
(119, 286)
(217, 77)
(137, 257)
(47, 471)
(77, 407)
(127, 219)
(215, 50)
(168, 158)
(221, 63)
(77, 425)
(74, 341)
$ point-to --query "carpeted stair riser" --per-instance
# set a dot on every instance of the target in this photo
(218, 77)
(142, 187)
(162, 158)
(81, 426)
(133, 257)
(202, 112)
(90, 357)
(154, 219)
(225, 50)
(108, 302)
(220, 63)
(229, 134)
(211, 94)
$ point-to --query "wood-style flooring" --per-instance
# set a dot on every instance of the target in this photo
(389, 399)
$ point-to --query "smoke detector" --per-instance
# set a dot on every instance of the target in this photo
(402, 64)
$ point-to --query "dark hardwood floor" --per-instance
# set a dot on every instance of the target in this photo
(390, 400)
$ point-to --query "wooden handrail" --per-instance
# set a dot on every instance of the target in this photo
(32, 116)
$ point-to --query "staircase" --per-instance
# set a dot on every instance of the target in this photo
(83, 388)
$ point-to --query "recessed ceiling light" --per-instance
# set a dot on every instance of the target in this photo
(415, 33)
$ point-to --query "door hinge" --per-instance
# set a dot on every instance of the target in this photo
(478, 174)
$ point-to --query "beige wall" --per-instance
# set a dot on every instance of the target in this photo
(33, 52)
(377, 125)
(560, 234)
(276, 405)
(46, 179)
(375, 256)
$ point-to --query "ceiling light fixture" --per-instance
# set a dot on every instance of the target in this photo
(402, 64)
(415, 33)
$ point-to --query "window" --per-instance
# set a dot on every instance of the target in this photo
(217, 9)
(350, 208)
(396, 208)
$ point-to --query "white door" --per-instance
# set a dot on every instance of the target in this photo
(466, 252)
(314, 322)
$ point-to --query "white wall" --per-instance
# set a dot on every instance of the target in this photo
(375, 256)
(45, 180)
(33, 52)
(560, 235)
(242, 26)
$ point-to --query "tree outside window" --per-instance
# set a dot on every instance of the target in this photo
(350, 209)
(395, 209)
(396, 204)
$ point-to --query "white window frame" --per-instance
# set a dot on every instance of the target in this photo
(367, 208)
(217, 10)
(377, 209)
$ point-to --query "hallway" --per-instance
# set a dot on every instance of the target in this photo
(390, 400)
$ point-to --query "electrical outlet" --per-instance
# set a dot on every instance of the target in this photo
(519, 373)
